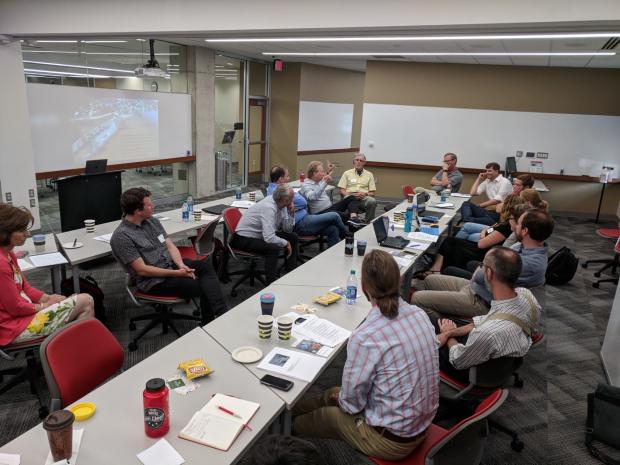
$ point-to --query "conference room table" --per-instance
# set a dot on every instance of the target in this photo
(115, 433)
(31, 250)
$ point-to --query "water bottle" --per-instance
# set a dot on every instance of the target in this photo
(408, 219)
(185, 212)
(351, 288)
(190, 204)
(156, 408)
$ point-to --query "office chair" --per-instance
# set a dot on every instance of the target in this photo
(407, 189)
(77, 358)
(31, 372)
(232, 216)
(162, 305)
(613, 263)
(203, 244)
(463, 443)
(306, 241)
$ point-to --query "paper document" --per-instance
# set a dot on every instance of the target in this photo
(242, 203)
(444, 205)
(292, 363)
(24, 265)
(317, 329)
(313, 347)
(417, 246)
(420, 236)
(48, 259)
(105, 238)
(160, 453)
(464, 196)
(208, 217)
(9, 459)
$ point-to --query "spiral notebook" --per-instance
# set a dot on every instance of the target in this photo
(214, 427)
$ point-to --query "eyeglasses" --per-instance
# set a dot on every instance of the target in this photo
(359, 159)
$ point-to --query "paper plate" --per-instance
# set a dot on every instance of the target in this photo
(69, 245)
(247, 354)
(83, 410)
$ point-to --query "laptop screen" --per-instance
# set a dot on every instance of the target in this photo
(96, 166)
(380, 231)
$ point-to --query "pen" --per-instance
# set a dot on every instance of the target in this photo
(230, 412)
(75, 242)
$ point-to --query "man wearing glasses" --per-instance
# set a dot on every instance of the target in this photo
(448, 176)
(360, 183)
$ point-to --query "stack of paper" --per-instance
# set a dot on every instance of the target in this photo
(422, 237)
(464, 196)
(24, 265)
(242, 203)
(105, 238)
(48, 259)
(314, 328)
(292, 363)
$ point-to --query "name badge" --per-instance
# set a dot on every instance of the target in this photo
(353, 180)
(161, 238)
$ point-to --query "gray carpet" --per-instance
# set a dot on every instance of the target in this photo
(548, 412)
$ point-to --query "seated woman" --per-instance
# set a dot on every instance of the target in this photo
(475, 231)
(457, 252)
(533, 199)
(25, 312)
(390, 382)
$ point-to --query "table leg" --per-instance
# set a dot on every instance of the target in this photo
(56, 279)
(286, 419)
(76, 279)
(600, 202)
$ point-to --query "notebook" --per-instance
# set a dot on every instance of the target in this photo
(214, 427)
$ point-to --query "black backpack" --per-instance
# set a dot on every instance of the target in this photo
(88, 285)
(561, 267)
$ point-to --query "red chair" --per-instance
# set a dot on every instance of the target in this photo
(232, 216)
(77, 358)
(462, 444)
(203, 244)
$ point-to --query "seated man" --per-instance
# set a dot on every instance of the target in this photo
(448, 176)
(313, 190)
(496, 186)
(330, 224)
(519, 183)
(266, 229)
(390, 391)
(141, 243)
(451, 295)
(504, 332)
(360, 183)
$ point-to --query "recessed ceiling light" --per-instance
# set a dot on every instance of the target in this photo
(445, 54)
(550, 36)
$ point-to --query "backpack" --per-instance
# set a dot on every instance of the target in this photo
(561, 267)
(88, 285)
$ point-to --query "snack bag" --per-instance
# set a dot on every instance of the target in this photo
(195, 368)
(327, 298)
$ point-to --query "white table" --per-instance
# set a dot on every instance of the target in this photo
(540, 186)
(49, 247)
(115, 434)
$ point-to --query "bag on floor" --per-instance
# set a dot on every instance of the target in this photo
(603, 422)
(561, 267)
(88, 285)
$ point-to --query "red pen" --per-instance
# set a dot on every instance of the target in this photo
(236, 415)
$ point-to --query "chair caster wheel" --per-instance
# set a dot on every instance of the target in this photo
(517, 445)
(597, 274)
(196, 313)
(518, 383)
(596, 285)
(584, 265)
(43, 412)
(132, 326)
(233, 293)
(132, 346)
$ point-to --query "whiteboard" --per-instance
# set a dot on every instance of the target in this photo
(324, 126)
(71, 125)
(610, 351)
(577, 144)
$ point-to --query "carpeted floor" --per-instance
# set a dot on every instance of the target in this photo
(548, 412)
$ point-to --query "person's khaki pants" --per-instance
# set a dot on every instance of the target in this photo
(320, 417)
(445, 296)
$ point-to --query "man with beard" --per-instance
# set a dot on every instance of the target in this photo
(449, 295)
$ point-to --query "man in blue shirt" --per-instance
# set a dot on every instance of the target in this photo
(329, 224)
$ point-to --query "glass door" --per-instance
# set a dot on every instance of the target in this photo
(257, 139)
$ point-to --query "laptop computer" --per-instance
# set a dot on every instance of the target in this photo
(216, 209)
(384, 240)
(96, 166)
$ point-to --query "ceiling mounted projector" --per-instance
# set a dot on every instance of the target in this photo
(151, 68)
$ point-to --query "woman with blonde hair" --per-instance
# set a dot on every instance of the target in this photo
(533, 198)
(27, 313)
(473, 231)
(389, 393)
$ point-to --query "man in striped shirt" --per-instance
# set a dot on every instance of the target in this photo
(503, 332)
(389, 394)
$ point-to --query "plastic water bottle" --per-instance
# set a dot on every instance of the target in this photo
(408, 219)
(190, 204)
(351, 288)
(185, 212)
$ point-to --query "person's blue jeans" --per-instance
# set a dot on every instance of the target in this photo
(329, 224)
(471, 231)
(472, 213)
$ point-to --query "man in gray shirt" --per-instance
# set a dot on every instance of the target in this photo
(448, 176)
(266, 229)
(141, 244)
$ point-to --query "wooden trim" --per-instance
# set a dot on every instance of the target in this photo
(411, 166)
(117, 167)
(320, 152)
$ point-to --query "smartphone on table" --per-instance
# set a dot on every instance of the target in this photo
(275, 382)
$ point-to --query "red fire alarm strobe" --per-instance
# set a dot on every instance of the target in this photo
(278, 65)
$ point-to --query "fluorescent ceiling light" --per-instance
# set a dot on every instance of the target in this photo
(130, 53)
(62, 73)
(50, 51)
(550, 36)
(77, 66)
(445, 54)
(141, 40)
(56, 41)
(104, 41)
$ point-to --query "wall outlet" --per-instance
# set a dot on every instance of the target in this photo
(519, 153)
(33, 203)
(31, 193)
(8, 196)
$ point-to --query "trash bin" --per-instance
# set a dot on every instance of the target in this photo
(221, 170)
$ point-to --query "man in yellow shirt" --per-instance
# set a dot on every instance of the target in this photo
(360, 183)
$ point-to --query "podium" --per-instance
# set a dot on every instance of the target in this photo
(89, 196)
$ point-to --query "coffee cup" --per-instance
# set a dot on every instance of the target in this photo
(59, 427)
(38, 239)
(285, 326)
(267, 301)
(410, 198)
(89, 225)
(361, 247)
(252, 196)
(265, 326)
(197, 215)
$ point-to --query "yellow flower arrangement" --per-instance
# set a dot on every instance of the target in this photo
(38, 322)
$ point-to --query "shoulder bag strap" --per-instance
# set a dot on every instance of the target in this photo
(513, 319)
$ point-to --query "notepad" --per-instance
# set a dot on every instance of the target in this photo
(216, 428)
(48, 259)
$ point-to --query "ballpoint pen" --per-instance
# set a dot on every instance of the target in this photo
(75, 242)
(236, 415)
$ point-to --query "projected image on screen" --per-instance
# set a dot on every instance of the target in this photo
(109, 126)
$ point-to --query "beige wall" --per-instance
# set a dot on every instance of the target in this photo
(513, 88)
